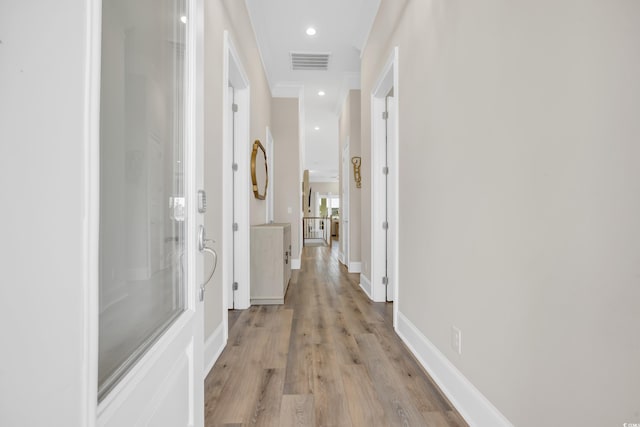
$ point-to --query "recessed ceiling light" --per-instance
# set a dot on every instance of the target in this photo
(317, 128)
(321, 93)
(183, 19)
(311, 31)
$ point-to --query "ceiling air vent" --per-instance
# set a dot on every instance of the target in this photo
(310, 61)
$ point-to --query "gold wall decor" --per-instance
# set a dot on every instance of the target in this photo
(357, 161)
(259, 171)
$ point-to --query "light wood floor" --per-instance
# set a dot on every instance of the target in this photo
(327, 357)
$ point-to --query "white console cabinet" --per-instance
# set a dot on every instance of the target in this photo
(270, 263)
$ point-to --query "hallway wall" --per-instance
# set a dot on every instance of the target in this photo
(519, 197)
(286, 174)
(349, 128)
(228, 15)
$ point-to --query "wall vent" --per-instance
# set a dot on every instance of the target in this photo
(310, 61)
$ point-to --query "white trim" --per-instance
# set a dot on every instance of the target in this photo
(365, 41)
(341, 256)
(213, 348)
(387, 79)
(474, 407)
(91, 200)
(355, 267)
(295, 263)
(365, 285)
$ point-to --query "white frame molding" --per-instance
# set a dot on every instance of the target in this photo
(345, 230)
(91, 271)
(234, 72)
(388, 79)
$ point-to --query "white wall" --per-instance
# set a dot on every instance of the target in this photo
(44, 150)
(519, 197)
(286, 165)
(349, 129)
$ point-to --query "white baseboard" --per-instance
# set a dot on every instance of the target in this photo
(355, 267)
(341, 257)
(213, 348)
(365, 285)
(467, 399)
(295, 264)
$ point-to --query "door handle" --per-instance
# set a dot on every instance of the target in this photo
(202, 247)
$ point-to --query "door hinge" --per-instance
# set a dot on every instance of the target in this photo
(385, 170)
(234, 167)
(234, 108)
(235, 286)
(385, 280)
(385, 115)
(385, 225)
(235, 226)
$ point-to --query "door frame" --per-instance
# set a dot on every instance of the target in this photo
(388, 78)
(345, 208)
(234, 72)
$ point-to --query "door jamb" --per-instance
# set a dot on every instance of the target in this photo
(387, 79)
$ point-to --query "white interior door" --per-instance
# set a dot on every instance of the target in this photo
(344, 233)
(150, 368)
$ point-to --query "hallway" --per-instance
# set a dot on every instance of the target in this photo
(327, 357)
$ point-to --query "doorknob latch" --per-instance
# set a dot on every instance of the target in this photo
(202, 247)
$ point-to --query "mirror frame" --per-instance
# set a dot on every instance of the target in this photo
(254, 180)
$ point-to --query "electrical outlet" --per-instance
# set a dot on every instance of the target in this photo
(456, 339)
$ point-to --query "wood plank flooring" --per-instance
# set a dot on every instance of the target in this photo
(327, 357)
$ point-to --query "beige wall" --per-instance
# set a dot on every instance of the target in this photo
(228, 15)
(349, 129)
(286, 154)
(519, 197)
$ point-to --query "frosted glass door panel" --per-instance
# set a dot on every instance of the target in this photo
(142, 224)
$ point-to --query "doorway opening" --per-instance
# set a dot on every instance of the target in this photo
(235, 160)
(384, 188)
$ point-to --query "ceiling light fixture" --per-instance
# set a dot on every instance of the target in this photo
(321, 93)
(311, 31)
(317, 128)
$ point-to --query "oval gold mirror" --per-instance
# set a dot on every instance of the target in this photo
(259, 171)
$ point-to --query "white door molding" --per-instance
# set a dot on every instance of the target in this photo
(236, 267)
(345, 232)
(387, 80)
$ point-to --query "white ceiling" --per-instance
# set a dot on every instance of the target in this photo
(342, 29)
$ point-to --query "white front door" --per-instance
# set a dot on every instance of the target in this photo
(150, 367)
